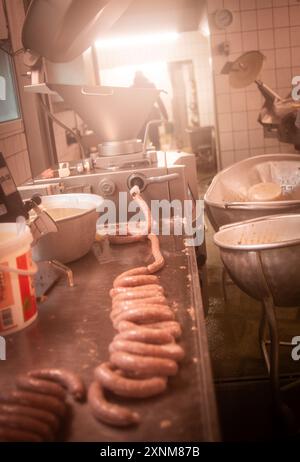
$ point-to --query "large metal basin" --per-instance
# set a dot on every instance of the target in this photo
(262, 257)
(226, 199)
(75, 234)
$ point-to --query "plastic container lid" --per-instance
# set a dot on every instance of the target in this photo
(13, 237)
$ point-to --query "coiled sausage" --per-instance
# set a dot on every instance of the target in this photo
(11, 435)
(139, 290)
(170, 351)
(35, 400)
(144, 315)
(109, 413)
(146, 335)
(148, 366)
(25, 423)
(130, 388)
(40, 414)
(159, 260)
(134, 281)
(44, 387)
(172, 327)
(67, 379)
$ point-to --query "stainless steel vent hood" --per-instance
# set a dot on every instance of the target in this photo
(60, 30)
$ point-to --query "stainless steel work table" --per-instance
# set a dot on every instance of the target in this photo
(73, 330)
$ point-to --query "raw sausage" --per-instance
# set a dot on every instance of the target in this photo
(126, 239)
(21, 422)
(133, 272)
(8, 435)
(145, 314)
(128, 387)
(135, 193)
(138, 290)
(120, 307)
(109, 413)
(172, 327)
(35, 400)
(170, 351)
(159, 260)
(44, 416)
(44, 387)
(146, 335)
(148, 366)
(134, 281)
(137, 294)
(144, 353)
(72, 382)
(154, 300)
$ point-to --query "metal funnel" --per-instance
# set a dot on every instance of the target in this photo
(114, 113)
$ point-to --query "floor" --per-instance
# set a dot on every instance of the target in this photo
(242, 386)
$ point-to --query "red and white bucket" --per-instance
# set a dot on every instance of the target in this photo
(18, 308)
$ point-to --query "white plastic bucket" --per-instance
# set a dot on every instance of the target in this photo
(18, 306)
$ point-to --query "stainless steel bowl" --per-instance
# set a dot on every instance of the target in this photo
(75, 234)
(226, 199)
(262, 256)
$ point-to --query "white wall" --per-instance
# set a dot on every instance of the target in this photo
(273, 27)
(117, 67)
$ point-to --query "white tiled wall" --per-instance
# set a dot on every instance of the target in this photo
(189, 46)
(12, 136)
(14, 148)
(273, 27)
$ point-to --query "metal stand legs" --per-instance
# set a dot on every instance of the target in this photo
(224, 273)
(268, 319)
(65, 270)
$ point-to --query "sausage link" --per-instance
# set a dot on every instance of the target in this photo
(10, 435)
(21, 422)
(169, 351)
(133, 281)
(155, 300)
(126, 239)
(148, 365)
(44, 387)
(146, 302)
(146, 335)
(35, 400)
(159, 261)
(39, 414)
(137, 290)
(135, 193)
(147, 314)
(67, 379)
(141, 270)
(112, 414)
(130, 388)
(137, 294)
(173, 327)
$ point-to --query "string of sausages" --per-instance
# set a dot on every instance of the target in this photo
(144, 352)
(34, 412)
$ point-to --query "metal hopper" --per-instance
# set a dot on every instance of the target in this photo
(114, 113)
